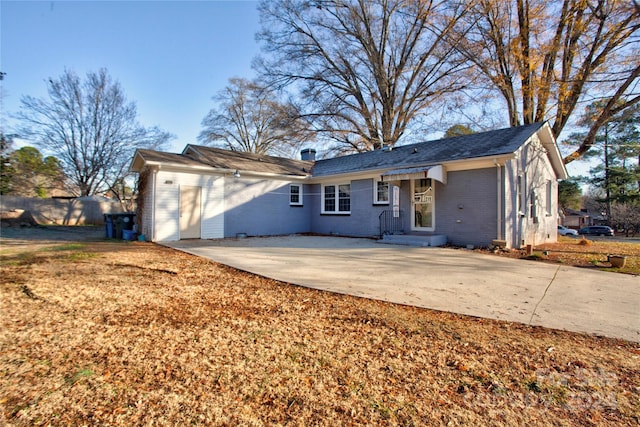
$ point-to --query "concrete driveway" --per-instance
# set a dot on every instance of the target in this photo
(452, 280)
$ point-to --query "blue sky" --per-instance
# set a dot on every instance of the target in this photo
(170, 57)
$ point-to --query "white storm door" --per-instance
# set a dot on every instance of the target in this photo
(423, 204)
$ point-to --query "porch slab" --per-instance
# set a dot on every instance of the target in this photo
(414, 240)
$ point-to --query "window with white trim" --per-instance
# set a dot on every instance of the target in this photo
(381, 193)
(295, 194)
(336, 198)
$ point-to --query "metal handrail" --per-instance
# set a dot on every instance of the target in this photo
(390, 224)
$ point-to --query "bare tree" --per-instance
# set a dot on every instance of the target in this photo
(546, 58)
(90, 127)
(366, 68)
(249, 118)
(626, 217)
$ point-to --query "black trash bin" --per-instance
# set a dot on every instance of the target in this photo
(123, 221)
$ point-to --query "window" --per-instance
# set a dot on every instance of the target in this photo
(520, 195)
(344, 198)
(549, 197)
(533, 207)
(329, 198)
(295, 195)
(336, 198)
(381, 193)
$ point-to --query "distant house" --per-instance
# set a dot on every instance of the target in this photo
(576, 219)
(495, 187)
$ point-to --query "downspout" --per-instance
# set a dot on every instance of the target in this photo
(153, 204)
(498, 200)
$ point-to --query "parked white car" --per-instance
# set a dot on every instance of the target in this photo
(564, 231)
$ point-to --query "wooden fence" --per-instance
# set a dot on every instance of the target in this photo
(77, 211)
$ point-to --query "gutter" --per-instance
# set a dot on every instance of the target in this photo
(270, 175)
(449, 165)
(225, 171)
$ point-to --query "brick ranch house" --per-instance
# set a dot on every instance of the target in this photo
(496, 187)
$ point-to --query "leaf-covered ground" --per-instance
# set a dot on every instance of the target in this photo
(585, 252)
(594, 253)
(117, 333)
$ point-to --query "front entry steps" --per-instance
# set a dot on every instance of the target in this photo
(414, 239)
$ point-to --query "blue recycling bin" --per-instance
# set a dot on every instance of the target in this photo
(109, 228)
(121, 222)
(128, 235)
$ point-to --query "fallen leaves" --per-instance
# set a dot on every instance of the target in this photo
(584, 253)
(141, 334)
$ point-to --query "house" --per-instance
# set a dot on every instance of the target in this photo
(572, 218)
(497, 187)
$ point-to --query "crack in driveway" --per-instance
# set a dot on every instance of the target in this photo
(544, 294)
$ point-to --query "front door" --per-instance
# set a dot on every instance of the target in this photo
(190, 212)
(423, 204)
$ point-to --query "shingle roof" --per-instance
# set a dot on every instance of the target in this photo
(484, 144)
(225, 159)
(162, 157)
(196, 155)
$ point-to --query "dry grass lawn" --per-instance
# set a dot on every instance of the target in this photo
(117, 333)
(583, 252)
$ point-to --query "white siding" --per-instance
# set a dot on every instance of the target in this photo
(213, 207)
(511, 217)
(147, 216)
(167, 204)
(529, 227)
